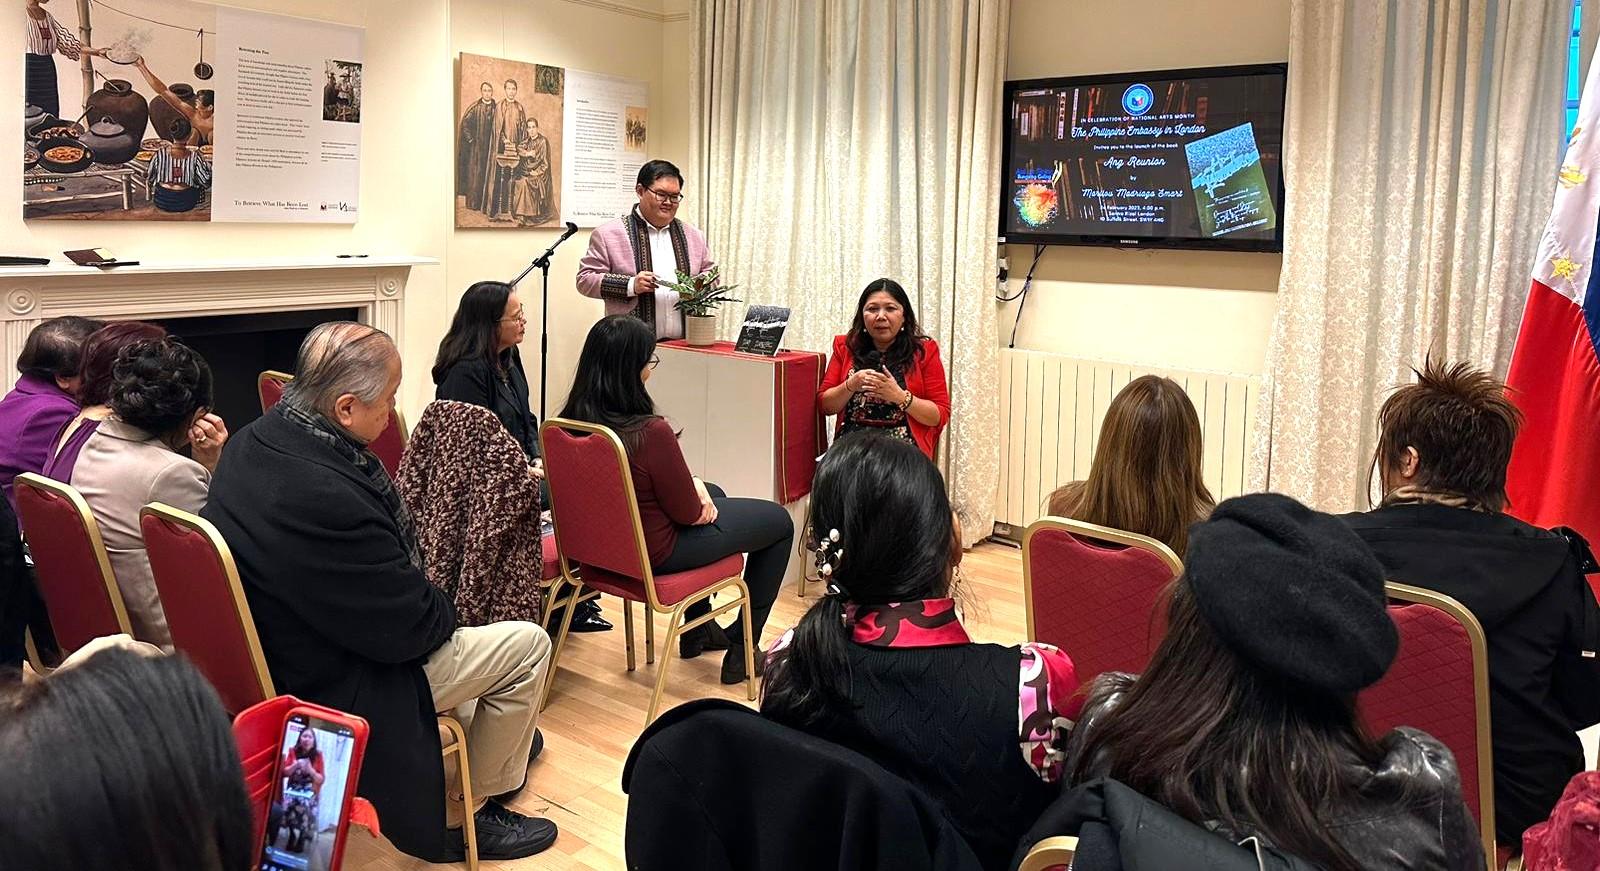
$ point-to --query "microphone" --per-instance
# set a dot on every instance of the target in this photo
(543, 260)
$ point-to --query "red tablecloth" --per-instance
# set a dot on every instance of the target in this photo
(801, 437)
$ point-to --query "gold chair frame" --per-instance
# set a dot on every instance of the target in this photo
(1080, 529)
(458, 736)
(675, 623)
(92, 529)
(1050, 853)
(1480, 690)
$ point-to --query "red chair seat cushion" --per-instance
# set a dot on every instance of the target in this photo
(671, 588)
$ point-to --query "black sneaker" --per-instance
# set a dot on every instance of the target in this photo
(505, 834)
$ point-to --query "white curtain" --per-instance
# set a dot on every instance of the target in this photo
(1421, 147)
(837, 141)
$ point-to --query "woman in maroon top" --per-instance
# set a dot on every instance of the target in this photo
(687, 522)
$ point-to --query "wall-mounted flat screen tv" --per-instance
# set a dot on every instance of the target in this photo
(1170, 158)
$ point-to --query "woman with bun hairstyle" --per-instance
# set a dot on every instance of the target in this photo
(160, 404)
(94, 391)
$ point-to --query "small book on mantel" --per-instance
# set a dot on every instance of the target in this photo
(97, 257)
(763, 328)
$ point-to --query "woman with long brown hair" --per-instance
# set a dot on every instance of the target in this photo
(1147, 471)
(1245, 720)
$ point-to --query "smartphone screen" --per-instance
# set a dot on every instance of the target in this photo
(308, 795)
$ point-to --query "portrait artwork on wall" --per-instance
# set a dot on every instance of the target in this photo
(509, 128)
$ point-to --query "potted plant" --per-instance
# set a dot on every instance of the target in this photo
(698, 298)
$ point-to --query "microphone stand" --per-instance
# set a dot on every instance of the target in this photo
(542, 263)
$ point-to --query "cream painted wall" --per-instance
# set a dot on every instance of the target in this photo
(404, 194)
(577, 35)
(407, 183)
(1180, 309)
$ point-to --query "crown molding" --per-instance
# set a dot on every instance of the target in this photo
(630, 9)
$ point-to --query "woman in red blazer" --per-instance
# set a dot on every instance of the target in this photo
(885, 375)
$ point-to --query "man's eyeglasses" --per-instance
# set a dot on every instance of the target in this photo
(654, 361)
(666, 199)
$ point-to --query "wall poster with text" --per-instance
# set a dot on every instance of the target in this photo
(168, 110)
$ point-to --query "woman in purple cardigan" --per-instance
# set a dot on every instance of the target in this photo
(44, 399)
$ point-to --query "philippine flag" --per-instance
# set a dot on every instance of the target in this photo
(1555, 370)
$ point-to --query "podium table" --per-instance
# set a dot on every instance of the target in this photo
(749, 423)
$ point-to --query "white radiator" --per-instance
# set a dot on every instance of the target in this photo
(1051, 407)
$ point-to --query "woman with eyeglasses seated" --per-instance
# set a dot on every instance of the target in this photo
(160, 403)
(479, 362)
(883, 665)
(687, 522)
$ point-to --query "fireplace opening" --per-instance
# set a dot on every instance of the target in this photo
(241, 347)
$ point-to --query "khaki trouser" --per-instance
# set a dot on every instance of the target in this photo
(501, 668)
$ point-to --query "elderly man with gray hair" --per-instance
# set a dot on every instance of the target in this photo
(346, 616)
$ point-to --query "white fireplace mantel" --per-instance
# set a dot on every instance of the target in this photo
(374, 286)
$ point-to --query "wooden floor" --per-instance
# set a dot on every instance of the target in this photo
(597, 710)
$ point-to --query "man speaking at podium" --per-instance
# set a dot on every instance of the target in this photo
(631, 258)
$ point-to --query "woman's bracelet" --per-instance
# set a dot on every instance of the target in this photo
(905, 405)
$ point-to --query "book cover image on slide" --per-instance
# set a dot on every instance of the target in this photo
(1230, 188)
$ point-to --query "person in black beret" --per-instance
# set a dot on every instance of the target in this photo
(1245, 722)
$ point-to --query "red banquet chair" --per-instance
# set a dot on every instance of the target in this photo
(205, 604)
(269, 387)
(1093, 591)
(389, 446)
(1439, 683)
(551, 573)
(597, 524)
(80, 593)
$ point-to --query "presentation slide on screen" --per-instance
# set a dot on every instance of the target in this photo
(1194, 158)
